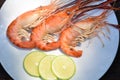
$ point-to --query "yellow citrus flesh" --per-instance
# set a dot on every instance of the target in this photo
(31, 62)
(63, 67)
(45, 68)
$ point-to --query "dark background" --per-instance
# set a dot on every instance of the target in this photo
(112, 74)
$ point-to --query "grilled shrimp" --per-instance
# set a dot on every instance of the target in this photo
(19, 30)
(42, 35)
(81, 31)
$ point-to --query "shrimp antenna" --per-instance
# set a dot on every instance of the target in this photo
(114, 25)
(61, 3)
(66, 5)
(103, 5)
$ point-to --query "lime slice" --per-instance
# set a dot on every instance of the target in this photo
(45, 68)
(63, 67)
(31, 62)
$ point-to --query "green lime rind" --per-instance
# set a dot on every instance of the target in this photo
(63, 67)
(45, 68)
(49, 67)
(31, 62)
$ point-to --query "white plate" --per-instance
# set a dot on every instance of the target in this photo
(91, 66)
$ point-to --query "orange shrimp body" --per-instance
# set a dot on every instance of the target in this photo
(52, 24)
(80, 31)
(20, 29)
(17, 30)
(42, 34)
(66, 42)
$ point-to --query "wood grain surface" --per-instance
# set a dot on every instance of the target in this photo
(113, 72)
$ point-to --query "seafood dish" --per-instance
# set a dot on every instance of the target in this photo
(38, 28)
(58, 39)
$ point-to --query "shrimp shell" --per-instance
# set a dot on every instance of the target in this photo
(19, 30)
(54, 24)
(81, 31)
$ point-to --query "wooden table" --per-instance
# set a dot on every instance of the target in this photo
(112, 74)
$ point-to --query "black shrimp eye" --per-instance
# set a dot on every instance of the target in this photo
(23, 38)
(68, 12)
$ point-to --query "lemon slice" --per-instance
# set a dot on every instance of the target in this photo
(31, 62)
(45, 68)
(63, 67)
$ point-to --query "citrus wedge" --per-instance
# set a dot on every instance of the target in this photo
(63, 67)
(31, 62)
(45, 68)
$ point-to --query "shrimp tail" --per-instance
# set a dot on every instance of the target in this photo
(71, 52)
